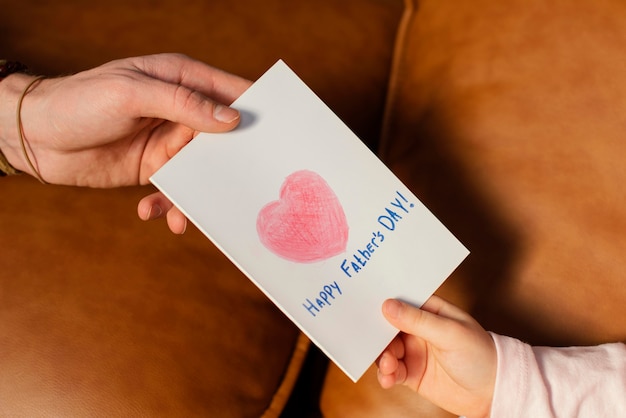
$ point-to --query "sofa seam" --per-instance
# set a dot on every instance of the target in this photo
(410, 6)
(289, 379)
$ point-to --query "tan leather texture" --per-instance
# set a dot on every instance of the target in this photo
(341, 48)
(507, 119)
(103, 315)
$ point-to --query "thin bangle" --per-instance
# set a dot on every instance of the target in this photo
(20, 129)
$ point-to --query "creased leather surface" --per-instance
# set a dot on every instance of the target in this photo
(102, 314)
(508, 121)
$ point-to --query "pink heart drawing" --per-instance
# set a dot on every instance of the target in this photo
(307, 223)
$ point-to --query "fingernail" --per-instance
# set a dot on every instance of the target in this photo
(154, 212)
(392, 308)
(225, 114)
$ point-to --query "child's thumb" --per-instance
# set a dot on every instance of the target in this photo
(415, 321)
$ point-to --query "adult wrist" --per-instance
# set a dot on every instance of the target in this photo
(12, 88)
(7, 68)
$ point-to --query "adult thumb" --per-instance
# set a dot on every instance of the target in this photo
(186, 106)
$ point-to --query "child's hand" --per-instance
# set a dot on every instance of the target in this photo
(443, 354)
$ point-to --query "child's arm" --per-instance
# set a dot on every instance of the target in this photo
(443, 354)
(584, 382)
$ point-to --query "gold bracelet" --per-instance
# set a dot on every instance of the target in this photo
(20, 129)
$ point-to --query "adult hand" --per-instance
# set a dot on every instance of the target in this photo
(443, 354)
(116, 124)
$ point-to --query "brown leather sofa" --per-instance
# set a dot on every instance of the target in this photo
(506, 117)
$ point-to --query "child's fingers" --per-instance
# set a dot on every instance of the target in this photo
(388, 363)
(396, 348)
(386, 381)
(391, 370)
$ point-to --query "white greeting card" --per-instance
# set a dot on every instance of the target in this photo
(305, 210)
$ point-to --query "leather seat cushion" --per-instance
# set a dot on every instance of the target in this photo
(101, 313)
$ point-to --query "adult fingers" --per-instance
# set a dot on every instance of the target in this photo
(180, 69)
(153, 206)
(177, 88)
(176, 221)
